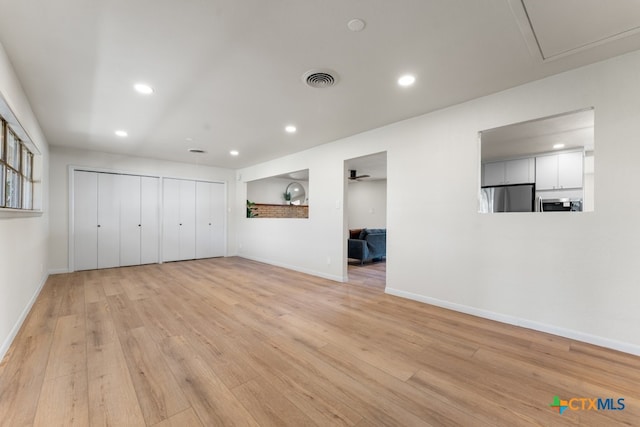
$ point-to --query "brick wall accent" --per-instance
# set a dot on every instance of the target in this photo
(281, 211)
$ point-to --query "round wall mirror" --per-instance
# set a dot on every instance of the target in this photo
(296, 192)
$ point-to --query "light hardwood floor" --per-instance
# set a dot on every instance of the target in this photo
(225, 342)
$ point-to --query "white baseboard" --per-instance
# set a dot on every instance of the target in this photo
(14, 331)
(525, 323)
(58, 271)
(295, 268)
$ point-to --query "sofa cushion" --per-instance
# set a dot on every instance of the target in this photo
(366, 231)
(363, 234)
(355, 233)
(377, 231)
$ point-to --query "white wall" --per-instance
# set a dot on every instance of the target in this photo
(367, 204)
(575, 275)
(23, 237)
(271, 190)
(62, 157)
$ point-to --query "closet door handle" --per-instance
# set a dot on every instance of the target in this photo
(98, 225)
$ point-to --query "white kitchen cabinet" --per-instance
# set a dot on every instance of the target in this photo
(520, 171)
(517, 171)
(559, 171)
(111, 211)
(179, 217)
(493, 173)
(570, 170)
(210, 218)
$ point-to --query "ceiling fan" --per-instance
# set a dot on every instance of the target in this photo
(353, 175)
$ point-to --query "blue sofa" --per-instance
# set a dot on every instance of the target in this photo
(371, 244)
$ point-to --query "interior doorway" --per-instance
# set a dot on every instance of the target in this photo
(365, 219)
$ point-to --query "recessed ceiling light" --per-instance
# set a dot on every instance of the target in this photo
(143, 88)
(356, 25)
(121, 133)
(558, 146)
(290, 129)
(406, 80)
(234, 152)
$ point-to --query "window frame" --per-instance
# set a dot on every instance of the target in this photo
(18, 171)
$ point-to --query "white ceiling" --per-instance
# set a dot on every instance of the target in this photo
(592, 22)
(227, 73)
(374, 165)
(574, 130)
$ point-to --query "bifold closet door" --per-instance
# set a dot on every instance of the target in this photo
(129, 191)
(218, 215)
(116, 220)
(108, 220)
(149, 217)
(85, 220)
(170, 220)
(179, 220)
(210, 213)
(187, 219)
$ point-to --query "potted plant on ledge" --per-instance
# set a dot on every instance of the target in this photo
(251, 207)
(287, 198)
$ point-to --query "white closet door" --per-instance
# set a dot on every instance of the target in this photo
(210, 215)
(149, 205)
(85, 220)
(130, 225)
(204, 244)
(108, 221)
(170, 220)
(217, 217)
(187, 219)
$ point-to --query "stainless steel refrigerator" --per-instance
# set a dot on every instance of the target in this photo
(508, 198)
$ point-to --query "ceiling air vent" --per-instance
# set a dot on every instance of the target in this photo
(320, 78)
(197, 150)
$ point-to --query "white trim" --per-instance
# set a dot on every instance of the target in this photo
(16, 328)
(524, 323)
(19, 213)
(295, 268)
(58, 271)
(113, 171)
(70, 226)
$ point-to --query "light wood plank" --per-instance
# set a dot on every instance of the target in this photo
(112, 400)
(64, 401)
(23, 368)
(268, 406)
(68, 350)
(158, 392)
(111, 395)
(186, 418)
(214, 403)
